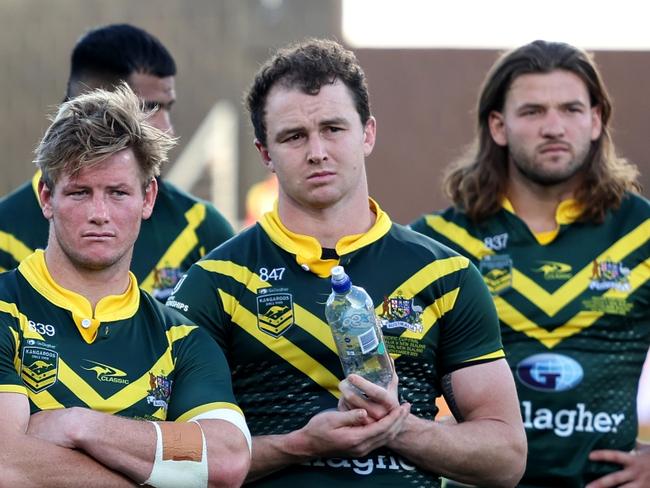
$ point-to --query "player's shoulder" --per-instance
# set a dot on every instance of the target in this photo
(418, 244)
(18, 200)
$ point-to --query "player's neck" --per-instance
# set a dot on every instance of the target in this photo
(91, 284)
(328, 225)
(537, 204)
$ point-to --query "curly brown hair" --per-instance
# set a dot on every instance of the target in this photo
(307, 65)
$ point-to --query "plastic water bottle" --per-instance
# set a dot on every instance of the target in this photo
(360, 343)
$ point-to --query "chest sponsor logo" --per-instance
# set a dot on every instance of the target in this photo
(554, 270)
(106, 373)
(400, 312)
(165, 281)
(496, 242)
(160, 390)
(497, 272)
(550, 372)
(39, 368)
(274, 311)
(565, 422)
(607, 275)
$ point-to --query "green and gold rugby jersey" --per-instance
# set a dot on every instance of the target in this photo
(181, 230)
(134, 357)
(574, 308)
(262, 297)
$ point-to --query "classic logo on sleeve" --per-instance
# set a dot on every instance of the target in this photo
(274, 311)
(39, 368)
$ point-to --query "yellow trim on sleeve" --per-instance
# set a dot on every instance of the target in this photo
(14, 389)
(491, 355)
(206, 408)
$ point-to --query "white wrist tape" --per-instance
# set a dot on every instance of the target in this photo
(181, 456)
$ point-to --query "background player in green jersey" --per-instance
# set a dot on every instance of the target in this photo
(551, 216)
(262, 297)
(182, 228)
(80, 341)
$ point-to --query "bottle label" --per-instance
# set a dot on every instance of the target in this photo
(368, 340)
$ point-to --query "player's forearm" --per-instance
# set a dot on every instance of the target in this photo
(482, 452)
(124, 445)
(274, 452)
(29, 462)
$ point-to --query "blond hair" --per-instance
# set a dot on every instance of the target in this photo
(94, 126)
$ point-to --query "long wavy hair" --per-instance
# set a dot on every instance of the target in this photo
(477, 182)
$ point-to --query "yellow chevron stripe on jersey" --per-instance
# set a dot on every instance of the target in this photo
(318, 329)
(181, 247)
(550, 303)
(28, 333)
(16, 248)
(45, 401)
(281, 346)
(206, 408)
(179, 331)
(236, 271)
(473, 246)
(517, 321)
(127, 396)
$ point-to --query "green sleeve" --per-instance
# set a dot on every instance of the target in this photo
(470, 332)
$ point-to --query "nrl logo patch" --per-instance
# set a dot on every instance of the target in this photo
(274, 311)
(39, 368)
(497, 272)
(398, 311)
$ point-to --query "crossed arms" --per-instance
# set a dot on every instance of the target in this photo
(76, 447)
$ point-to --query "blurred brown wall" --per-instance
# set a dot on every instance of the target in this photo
(424, 101)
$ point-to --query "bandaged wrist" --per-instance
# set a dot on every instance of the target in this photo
(181, 456)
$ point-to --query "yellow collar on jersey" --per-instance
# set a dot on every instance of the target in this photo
(308, 250)
(108, 309)
(567, 212)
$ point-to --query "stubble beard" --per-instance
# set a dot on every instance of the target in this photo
(528, 167)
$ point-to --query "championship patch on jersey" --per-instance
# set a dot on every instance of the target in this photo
(160, 390)
(39, 368)
(165, 281)
(274, 311)
(497, 272)
(607, 275)
(398, 311)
